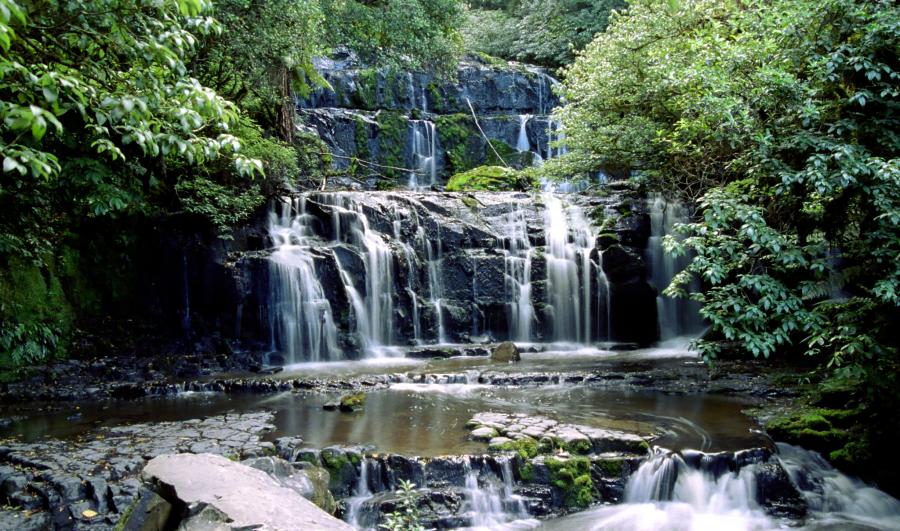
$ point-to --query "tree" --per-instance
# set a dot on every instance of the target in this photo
(780, 118)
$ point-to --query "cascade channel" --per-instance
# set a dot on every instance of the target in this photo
(368, 274)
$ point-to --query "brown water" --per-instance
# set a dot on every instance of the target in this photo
(428, 419)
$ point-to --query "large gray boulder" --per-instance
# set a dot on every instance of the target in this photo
(247, 497)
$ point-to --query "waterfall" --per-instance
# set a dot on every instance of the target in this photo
(493, 503)
(677, 316)
(828, 491)
(409, 254)
(570, 241)
(434, 258)
(522, 144)
(517, 275)
(423, 139)
(362, 493)
(301, 323)
(375, 312)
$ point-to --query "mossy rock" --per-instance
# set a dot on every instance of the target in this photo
(353, 402)
(610, 468)
(573, 477)
(526, 447)
(809, 429)
(489, 179)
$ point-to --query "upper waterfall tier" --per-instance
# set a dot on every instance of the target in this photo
(387, 128)
(491, 89)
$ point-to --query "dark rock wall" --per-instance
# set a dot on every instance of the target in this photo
(370, 114)
(228, 291)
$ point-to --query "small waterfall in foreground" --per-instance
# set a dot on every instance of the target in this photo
(492, 503)
(699, 492)
(301, 324)
(570, 241)
(423, 140)
(677, 316)
(356, 516)
(517, 275)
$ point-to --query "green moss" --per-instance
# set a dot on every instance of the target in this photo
(334, 462)
(580, 447)
(809, 429)
(645, 446)
(526, 471)
(487, 178)
(471, 202)
(438, 102)
(500, 148)
(573, 478)
(525, 447)
(392, 131)
(366, 93)
(362, 139)
(353, 401)
(610, 467)
(853, 455)
(461, 141)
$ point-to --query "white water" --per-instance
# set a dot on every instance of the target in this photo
(361, 494)
(374, 313)
(522, 144)
(666, 494)
(434, 258)
(491, 504)
(301, 324)
(423, 140)
(677, 316)
(517, 275)
(570, 241)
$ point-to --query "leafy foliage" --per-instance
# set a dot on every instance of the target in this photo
(781, 119)
(416, 33)
(538, 31)
(406, 516)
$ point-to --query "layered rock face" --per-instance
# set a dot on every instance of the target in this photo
(353, 274)
(385, 127)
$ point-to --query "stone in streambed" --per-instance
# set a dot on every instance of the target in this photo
(248, 497)
(506, 352)
(347, 403)
(484, 433)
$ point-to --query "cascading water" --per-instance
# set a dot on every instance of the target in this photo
(671, 492)
(423, 140)
(301, 321)
(517, 275)
(522, 144)
(492, 504)
(434, 257)
(677, 316)
(570, 241)
(362, 493)
(375, 311)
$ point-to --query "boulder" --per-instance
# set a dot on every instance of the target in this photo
(506, 352)
(248, 497)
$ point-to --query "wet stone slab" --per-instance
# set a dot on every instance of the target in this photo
(91, 481)
(500, 429)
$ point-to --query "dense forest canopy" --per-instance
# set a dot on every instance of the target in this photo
(781, 120)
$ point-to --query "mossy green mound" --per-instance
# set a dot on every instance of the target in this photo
(489, 179)
(573, 477)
